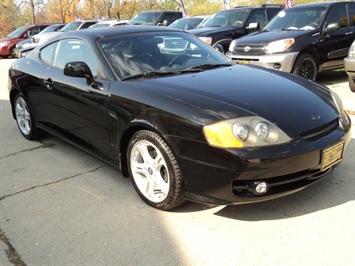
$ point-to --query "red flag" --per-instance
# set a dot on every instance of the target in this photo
(226, 4)
(289, 3)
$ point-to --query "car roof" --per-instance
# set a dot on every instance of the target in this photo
(105, 32)
(324, 4)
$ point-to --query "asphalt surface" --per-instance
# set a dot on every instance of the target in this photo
(61, 206)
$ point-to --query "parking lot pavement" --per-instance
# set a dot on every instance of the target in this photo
(61, 206)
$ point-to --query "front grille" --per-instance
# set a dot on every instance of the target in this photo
(175, 44)
(321, 131)
(252, 49)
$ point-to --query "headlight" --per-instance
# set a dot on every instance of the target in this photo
(3, 44)
(231, 46)
(207, 40)
(279, 46)
(338, 102)
(352, 51)
(250, 131)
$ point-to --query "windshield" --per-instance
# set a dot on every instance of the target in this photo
(294, 19)
(71, 26)
(52, 28)
(232, 17)
(149, 18)
(17, 32)
(159, 53)
(186, 23)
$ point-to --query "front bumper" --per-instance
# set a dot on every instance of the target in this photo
(4, 51)
(283, 62)
(224, 177)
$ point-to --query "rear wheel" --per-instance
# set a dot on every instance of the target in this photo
(154, 171)
(306, 67)
(351, 84)
(25, 120)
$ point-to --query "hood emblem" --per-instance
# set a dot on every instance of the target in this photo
(315, 117)
(246, 49)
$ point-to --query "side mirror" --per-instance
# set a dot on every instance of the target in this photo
(219, 48)
(332, 27)
(80, 70)
(253, 26)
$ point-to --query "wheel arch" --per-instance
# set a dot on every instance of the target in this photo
(12, 96)
(136, 125)
(311, 51)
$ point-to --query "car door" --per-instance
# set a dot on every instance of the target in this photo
(336, 43)
(76, 109)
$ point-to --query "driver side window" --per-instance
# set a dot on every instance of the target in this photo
(71, 50)
(338, 15)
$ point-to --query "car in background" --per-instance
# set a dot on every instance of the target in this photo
(188, 23)
(40, 38)
(157, 18)
(349, 64)
(28, 42)
(224, 26)
(74, 25)
(110, 23)
(8, 44)
(303, 40)
(184, 124)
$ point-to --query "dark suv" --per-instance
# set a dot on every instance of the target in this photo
(303, 40)
(8, 44)
(158, 18)
(224, 26)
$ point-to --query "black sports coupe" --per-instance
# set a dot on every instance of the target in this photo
(178, 117)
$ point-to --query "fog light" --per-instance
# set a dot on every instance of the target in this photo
(261, 188)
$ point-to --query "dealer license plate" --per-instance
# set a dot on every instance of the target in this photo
(332, 155)
(246, 62)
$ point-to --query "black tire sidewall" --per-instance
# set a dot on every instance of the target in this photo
(351, 84)
(302, 58)
(172, 199)
(34, 133)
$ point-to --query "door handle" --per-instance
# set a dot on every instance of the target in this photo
(48, 83)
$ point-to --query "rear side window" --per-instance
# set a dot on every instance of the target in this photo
(46, 54)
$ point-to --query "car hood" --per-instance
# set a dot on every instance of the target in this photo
(6, 39)
(265, 37)
(210, 30)
(40, 38)
(286, 100)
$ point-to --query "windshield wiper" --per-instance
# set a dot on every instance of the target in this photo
(151, 74)
(206, 66)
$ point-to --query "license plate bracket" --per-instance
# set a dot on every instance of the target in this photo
(332, 155)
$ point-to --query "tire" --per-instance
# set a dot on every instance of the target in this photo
(25, 120)
(306, 67)
(154, 171)
(351, 84)
(12, 52)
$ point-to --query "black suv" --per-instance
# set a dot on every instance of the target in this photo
(224, 26)
(303, 40)
(158, 18)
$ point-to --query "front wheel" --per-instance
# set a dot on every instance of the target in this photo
(154, 171)
(25, 120)
(306, 67)
(13, 53)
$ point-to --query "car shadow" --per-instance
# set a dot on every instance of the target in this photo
(335, 189)
(332, 77)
